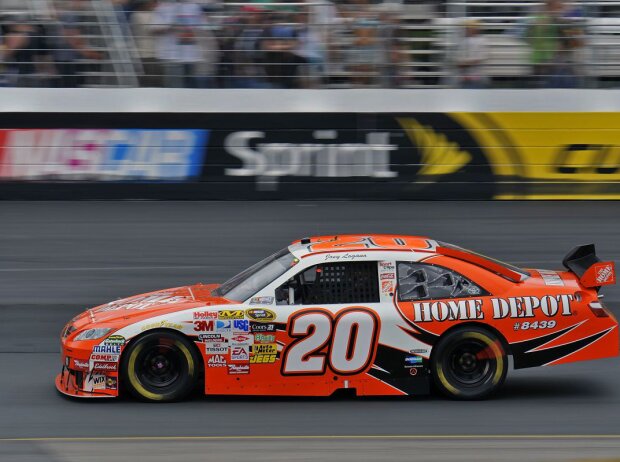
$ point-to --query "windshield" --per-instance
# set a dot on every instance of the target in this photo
(499, 262)
(248, 282)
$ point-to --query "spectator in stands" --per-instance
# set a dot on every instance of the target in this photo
(393, 53)
(210, 52)
(249, 70)
(26, 54)
(471, 56)
(543, 34)
(364, 56)
(178, 26)
(12, 41)
(74, 54)
(570, 73)
(144, 27)
(324, 22)
(311, 52)
(227, 33)
(280, 46)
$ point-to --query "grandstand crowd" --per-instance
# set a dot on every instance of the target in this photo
(355, 43)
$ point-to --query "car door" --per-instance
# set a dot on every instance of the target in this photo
(331, 331)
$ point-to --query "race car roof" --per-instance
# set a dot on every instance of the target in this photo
(393, 242)
(353, 242)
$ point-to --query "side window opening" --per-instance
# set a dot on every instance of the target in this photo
(331, 283)
(421, 281)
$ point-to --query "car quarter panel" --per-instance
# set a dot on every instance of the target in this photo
(544, 320)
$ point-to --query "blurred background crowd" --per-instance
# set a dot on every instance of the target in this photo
(310, 44)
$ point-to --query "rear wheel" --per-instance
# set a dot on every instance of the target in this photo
(469, 363)
(160, 366)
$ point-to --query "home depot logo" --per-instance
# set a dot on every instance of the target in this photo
(604, 273)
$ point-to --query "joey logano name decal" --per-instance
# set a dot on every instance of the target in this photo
(511, 307)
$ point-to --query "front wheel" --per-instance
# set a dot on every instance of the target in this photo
(160, 366)
(469, 363)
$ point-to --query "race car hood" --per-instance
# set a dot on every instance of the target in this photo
(150, 304)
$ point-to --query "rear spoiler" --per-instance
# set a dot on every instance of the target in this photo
(591, 271)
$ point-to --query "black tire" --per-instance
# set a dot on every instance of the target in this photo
(161, 367)
(469, 363)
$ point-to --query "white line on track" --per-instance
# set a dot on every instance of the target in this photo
(321, 437)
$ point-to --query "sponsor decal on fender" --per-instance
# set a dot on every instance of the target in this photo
(213, 338)
(216, 361)
(263, 359)
(511, 307)
(261, 314)
(230, 314)
(262, 327)
(234, 369)
(112, 349)
(261, 301)
(111, 383)
(264, 338)
(205, 315)
(115, 340)
(241, 339)
(241, 325)
(79, 365)
(162, 324)
(240, 353)
(413, 361)
(204, 326)
(95, 382)
(214, 348)
(265, 349)
(105, 367)
(104, 357)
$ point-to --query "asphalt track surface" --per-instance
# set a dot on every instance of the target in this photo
(58, 258)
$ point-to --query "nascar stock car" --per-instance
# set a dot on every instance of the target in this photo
(378, 314)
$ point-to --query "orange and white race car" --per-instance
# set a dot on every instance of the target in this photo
(378, 314)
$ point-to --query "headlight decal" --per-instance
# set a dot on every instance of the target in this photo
(93, 334)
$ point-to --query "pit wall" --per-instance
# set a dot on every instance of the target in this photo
(309, 144)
